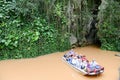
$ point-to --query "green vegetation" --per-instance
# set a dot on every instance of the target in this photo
(25, 32)
(109, 26)
(29, 28)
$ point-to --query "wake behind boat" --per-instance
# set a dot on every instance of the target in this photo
(81, 64)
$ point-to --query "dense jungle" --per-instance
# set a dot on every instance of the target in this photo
(30, 28)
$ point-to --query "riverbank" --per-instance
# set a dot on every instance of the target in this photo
(52, 67)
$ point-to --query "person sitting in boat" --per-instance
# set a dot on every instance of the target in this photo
(83, 57)
(89, 68)
(83, 64)
(79, 56)
(93, 63)
(92, 66)
(69, 54)
(78, 61)
(96, 65)
(74, 60)
(69, 60)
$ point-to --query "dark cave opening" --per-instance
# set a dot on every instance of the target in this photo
(91, 36)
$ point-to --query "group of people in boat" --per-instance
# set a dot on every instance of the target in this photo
(82, 63)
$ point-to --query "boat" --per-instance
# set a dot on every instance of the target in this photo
(86, 69)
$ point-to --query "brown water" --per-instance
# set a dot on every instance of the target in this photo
(52, 67)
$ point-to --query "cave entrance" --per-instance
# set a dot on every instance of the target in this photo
(91, 36)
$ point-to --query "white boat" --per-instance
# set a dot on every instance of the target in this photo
(83, 71)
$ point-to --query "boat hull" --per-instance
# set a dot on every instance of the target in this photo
(81, 70)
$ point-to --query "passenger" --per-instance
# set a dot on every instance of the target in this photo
(92, 66)
(74, 60)
(93, 63)
(89, 68)
(70, 60)
(71, 53)
(83, 64)
(79, 56)
(65, 55)
(77, 62)
(84, 58)
(80, 60)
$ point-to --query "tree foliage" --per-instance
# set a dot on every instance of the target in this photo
(29, 28)
(26, 32)
(109, 26)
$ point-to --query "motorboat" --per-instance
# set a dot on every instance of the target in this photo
(81, 64)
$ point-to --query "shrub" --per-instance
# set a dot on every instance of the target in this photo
(109, 26)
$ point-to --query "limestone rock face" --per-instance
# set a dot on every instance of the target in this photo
(73, 39)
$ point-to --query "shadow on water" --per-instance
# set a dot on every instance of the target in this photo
(94, 76)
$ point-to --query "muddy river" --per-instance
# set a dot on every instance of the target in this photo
(52, 67)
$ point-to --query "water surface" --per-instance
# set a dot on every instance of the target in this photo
(52, 67)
